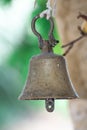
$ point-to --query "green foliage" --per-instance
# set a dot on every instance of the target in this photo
(4, 2)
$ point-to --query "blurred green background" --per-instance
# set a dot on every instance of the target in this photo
(17, 45)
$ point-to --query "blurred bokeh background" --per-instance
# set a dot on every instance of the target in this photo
(17, 45)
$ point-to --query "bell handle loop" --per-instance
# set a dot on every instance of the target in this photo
(51, 37)
(33, 27)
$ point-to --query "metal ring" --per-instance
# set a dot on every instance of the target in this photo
(34, 29)
(38, 34)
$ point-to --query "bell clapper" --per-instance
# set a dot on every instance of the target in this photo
(49, 104)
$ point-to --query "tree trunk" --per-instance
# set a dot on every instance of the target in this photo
(67, 12)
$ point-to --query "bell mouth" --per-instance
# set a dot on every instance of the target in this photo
(44, 98)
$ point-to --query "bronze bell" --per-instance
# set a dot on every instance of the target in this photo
(48, 77)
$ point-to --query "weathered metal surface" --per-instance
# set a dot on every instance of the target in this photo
(48, 78)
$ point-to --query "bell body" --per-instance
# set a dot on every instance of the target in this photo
(48, 79)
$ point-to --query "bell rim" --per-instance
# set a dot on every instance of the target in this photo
(44, 98)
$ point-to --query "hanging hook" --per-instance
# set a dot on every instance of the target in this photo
(51, 40)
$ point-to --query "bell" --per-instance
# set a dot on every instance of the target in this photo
(48, 78)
